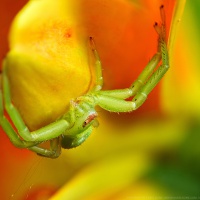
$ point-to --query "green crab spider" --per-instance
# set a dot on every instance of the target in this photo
(74, 127)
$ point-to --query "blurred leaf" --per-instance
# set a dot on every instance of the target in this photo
(175, 180)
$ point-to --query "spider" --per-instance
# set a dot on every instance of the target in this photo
(75, 126)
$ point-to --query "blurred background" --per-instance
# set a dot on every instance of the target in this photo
(153, 153)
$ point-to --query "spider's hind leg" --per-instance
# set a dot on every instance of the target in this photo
(7, 127)
(23, 138)
(53, 152)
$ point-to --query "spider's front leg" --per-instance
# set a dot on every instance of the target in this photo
(24, 138)
(114, 100)
(154, 79)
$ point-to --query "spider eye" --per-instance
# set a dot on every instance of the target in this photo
(90, 118)
(85, 123)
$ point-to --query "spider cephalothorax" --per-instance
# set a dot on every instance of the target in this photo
(82, 117)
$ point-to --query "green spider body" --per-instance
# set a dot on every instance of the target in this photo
(74, 127)
(81, 117)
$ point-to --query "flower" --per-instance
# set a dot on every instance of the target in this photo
(143, 154)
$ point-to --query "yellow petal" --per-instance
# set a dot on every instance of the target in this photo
(48, 61)
(106, 176)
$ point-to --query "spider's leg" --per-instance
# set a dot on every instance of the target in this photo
(117, 93)
(147, 80)
(162, 49)
(154, 79)
(5, 124)
(162, 69)
(53, 152)
(150, 67)
(55, 145)
(137, 84)
(145, 74)
(13, 136)
(115, 104)
(98, 68)
(48, 132)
